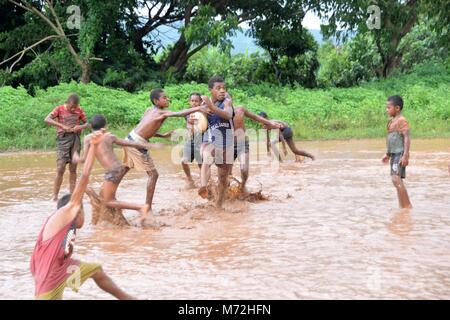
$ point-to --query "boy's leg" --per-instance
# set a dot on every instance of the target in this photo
(223, 171)
(151, 185)
(60, 169)
(187, 172)
(188, 157)
(108, 193)
(275, 150)
(402, 193)
(208, 159)
(106, 284)
(244, 159)
(296, 151)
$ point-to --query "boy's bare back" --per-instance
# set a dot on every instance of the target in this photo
(105, 151)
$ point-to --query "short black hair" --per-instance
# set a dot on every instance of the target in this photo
(62, 202)
(74, 98)
(98, 122)
(195, 94)
(396, 101)
(214, 80)
(263, 114)
(156, 94)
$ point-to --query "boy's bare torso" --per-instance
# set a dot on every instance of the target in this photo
(150, 123)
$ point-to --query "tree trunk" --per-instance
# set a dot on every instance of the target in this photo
(85, 72)
(178, 57)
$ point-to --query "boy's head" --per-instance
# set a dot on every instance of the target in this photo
(159, 98)
(98, 122)
(72, 102)
(394, 105)
(263, 115)
(63, 201)
(195, 99)
(218, 88)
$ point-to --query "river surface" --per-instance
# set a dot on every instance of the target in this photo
(331, 229)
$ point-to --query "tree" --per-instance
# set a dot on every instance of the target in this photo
(397, 19)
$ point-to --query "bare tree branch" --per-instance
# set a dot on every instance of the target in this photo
(30, 47)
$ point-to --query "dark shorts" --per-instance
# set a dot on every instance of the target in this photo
(115, 175)
(241, 148)
(66, 145)
(396, 168)
(287, 133)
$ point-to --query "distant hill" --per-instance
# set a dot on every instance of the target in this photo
(241, 42)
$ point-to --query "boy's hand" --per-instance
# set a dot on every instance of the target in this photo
(276, 125)
(385, 159)
(77, 129)
(206, 110)
(404, 161)
(207, 102)
(97, 136)
(66, 128)
(167, 135)
(76, 158)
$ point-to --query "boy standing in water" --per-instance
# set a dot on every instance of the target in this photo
(51, 265)
(398, 145)
(285, 136)
(191, 150)
(147, 128)
(67, 120)
(115, 170)
(218, 140)
(241, 142)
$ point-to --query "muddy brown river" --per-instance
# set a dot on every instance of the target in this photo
(330, 229)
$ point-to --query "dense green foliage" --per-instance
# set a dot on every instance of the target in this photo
(314, 114)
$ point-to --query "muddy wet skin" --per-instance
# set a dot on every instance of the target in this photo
(330, 229)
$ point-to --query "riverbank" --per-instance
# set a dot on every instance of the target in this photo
(335, 113)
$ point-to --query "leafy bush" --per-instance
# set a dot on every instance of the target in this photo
(357, 112)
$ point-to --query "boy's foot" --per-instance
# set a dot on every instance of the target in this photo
(312, 157)
(144, 213)
(299, 159)
(203, 192)
(190, 184)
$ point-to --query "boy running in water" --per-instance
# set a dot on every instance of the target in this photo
(67, 120)
(148, 128)
(51, 265)
(285, 136)
(115, 170)
(398, 145)
(218, 140)
(192, 145)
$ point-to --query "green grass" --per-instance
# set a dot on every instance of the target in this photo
(357, 112)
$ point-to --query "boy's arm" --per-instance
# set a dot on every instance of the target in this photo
(131, 144)
(181, 114)
(283, 144)
(49, 120)
(166, 135)
(81, 159)
(226, 113)
(68, 213)
(268, 141)
(255, 117)
(405, 159)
